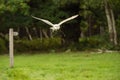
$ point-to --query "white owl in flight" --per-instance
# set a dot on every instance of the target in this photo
(55, 27)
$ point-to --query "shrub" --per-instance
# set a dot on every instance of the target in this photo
(2, 46)
(92, 42)
(54, 44)
(37, 44)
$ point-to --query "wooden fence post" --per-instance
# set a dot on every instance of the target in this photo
(11, 49)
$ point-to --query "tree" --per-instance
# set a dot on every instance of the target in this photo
(94, 6)
(13, 14)
(111, 22)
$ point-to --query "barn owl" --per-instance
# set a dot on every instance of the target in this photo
(55, 27)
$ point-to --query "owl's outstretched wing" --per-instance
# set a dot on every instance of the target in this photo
(43, 20)
(68, 19)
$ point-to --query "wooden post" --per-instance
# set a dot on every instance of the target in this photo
(11, 53)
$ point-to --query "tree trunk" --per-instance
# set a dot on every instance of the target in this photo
(82, 34)
(51, 34)
(114, 28)
(102, 31)
(29, 35)
(111, 22)
(45, 33)
(35, 32)
(108, 20)
(89, 26)
(41, 37)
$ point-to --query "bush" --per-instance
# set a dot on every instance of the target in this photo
(2, 46)
(92, 43)
(112, 47)
(38, 45)
(54, 44)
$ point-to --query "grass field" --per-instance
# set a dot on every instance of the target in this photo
(62, 66)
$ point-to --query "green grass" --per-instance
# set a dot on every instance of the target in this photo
(62, 66)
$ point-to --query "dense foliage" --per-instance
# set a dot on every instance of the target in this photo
(89, 30)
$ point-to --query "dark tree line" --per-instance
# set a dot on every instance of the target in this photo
(96, 18)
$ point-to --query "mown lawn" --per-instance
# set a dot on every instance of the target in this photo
(62, 66)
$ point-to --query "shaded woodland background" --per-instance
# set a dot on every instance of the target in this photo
(97, 27)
